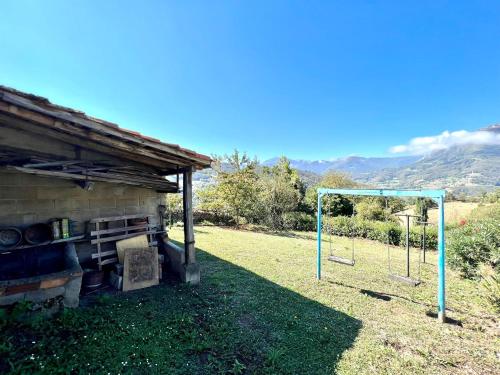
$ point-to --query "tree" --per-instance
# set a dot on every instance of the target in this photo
(334, 205)
(281, 192)
(210, 199)
(236, 184)
(371, 209)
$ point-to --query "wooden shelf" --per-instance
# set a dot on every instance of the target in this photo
(20, 247)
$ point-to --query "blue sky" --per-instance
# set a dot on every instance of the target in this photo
(310, 80)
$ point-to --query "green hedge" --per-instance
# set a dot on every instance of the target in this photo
(379, 230)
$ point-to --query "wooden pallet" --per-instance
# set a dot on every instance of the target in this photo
(103, 234)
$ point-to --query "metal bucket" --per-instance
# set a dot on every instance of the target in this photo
(10, 237)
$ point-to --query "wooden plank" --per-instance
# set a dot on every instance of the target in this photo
(121, 229)
(99, 260)
(103, 129)
(52, 164)
(116, 238)
(103, 254)
(140, 268)
(72, 176)
(151, 180)
(115, 252)
(68, 176)
(187, 195)
(137, 242)
(109, 261)
(78, 136)
(117, 218)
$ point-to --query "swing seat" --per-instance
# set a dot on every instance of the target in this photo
(336, 259)
(404, 279)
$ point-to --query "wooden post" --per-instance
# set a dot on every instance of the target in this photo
(187, 195)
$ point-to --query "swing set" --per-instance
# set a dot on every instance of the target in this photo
(436, 195)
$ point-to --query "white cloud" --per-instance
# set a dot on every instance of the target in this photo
(424, 145)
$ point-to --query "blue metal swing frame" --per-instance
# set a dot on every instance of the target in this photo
(436, 195)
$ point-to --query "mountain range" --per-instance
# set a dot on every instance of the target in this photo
(354, 165)
(462, 168)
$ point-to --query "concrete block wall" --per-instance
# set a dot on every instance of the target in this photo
(27, 199)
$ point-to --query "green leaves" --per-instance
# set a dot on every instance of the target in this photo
(473, 244)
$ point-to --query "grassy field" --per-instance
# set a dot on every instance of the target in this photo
(260, 310)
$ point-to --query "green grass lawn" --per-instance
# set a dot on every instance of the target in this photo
(260, 310)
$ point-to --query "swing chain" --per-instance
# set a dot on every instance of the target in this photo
(388, 236)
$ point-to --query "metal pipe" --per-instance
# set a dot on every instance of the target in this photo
(407, 245)
(441, 263)
(318, 272)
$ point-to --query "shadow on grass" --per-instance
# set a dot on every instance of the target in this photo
(376, 295)
(431, 307)
(234, 322)
(274, 329)
(381, 295)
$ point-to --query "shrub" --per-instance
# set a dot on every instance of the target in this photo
(379, 231)
(370, 209)
(201, 217)
(299, 221)
(474, 244)
(490, 282)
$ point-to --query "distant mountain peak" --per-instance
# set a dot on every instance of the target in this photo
(495, 128)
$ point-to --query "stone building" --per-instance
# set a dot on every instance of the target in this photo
(56, 162)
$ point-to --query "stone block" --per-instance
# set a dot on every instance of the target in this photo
(148, 201)
(72, 204)
(136, 211)
(108, 212)
(127, 202)
(17, 192)
(176, 257)
(103, 202)
(34, 205)
(10, 179)
(26, 179)
(66, 192)
(7, 205)
(191, 274)
(72, 292)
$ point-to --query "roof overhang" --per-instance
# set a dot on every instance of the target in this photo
(76, 127)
